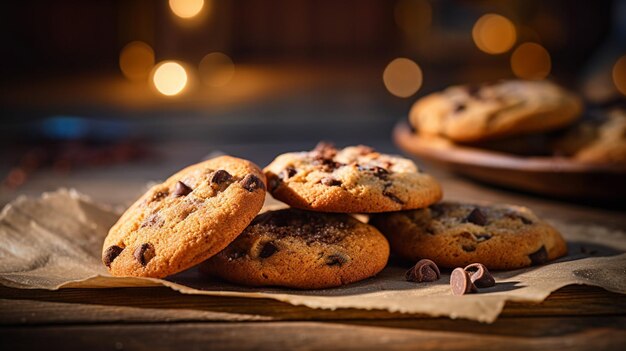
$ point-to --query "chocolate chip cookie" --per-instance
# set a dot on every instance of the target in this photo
(350, 180)
(456, 234)
(600, 139)
(488, 111)
(301, 249)
(188, 218)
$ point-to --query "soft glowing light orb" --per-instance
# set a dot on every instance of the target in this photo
(216, 69)
(169, 78)
(494, 34)
(619, 74)
(402, 77)
(186, 8)
(531, 61)
(136, 60)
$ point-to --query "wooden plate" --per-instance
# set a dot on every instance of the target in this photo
(553, 176)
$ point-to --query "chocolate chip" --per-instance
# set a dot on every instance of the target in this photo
(336, 260)
(477, 217)
(518, 217)
(144, 253)
(468, 248)
(525, 220)
(252, 182)
(392, 196)
(268, 250)
(329, 181)
(110, 254)
(424, 271)
(539, 257)
(220, 177)
(287, 173)
(181, 189)
(460, 282)
(480, 276)
(460, 107)
(378, 172)
(327, 164)
(324, 150)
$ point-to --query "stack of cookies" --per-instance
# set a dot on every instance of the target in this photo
(208, 214)
(505, 114)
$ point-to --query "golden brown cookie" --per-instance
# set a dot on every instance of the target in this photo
(488, 111)
(188, 218)
(356, 179)
(455, 235)
(598, 140)
(301, 249)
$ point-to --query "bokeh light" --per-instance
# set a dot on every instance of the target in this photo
(531, 61)
(136, 60)
(494, 34)
(402, 77)
(186, 8)
(216, 69)
(169, 78)
(619, 74)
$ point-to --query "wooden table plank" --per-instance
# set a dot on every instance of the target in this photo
(25, 307)
(303, 336)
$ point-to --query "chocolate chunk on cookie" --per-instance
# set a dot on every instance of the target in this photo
(301, 249)
(350, 180)
(188, 218)
(456, 234)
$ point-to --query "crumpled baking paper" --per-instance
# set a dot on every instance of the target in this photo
(55, 241)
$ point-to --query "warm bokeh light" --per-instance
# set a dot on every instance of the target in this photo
(494, 34)
(413, 15)
(216, 69)
(531, 61)
(402, 77)
(169, 78)
(186, 8)
(619, 74)
(136, 60)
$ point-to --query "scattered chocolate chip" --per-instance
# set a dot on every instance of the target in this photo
(482, 237)
(329, 181)
(181, 189)
(144, 253)
(424, 271)
(287, 173)
(480, 276)
(336, 260)
(518, 217)
(539, 257)
(460, 107)
(477, 217)
(377, 171)
(460, 282)
(327, 164)
(252, 182)
(468, 248)
(111, 254)
(220, 176)
(525, 220)
(268, 250)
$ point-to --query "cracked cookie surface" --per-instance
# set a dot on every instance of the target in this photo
(186, 219)
(355, 179)
(301, 249)
(475, 113)
(457, 234)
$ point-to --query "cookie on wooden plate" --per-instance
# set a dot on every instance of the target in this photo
(355, 179)
(188, 218)
(488, 111)
(301, 249)
(457, 234)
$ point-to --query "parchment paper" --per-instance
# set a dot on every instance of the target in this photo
(55, 242)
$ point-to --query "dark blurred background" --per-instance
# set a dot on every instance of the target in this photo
(95, 93)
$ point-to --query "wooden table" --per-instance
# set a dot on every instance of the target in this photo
(575, 317)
